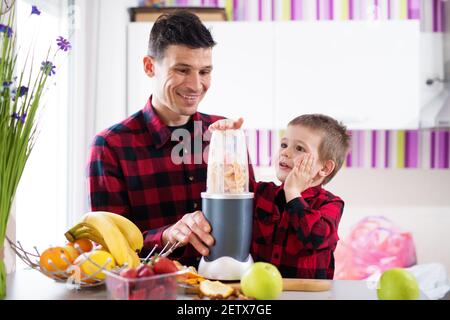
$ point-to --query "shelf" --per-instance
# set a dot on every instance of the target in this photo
(150, 14)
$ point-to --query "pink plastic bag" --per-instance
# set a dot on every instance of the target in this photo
(375, 244)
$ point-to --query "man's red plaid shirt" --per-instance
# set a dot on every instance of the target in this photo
(131, 172)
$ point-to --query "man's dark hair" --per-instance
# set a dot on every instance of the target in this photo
(180, 27)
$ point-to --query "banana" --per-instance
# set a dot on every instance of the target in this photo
(133, 258)
(128, 229)
(113, 232)
(84, 230)
(114, 239)
(100, 228)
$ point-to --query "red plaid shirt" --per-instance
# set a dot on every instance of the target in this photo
(130, 172)
(299, 237)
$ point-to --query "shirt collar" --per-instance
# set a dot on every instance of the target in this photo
(308, 193)
(312, 192)
(158, 130)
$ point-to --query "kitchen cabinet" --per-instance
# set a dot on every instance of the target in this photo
(363, 73)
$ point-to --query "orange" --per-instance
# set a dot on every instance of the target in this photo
(55, 260)
(82, 245)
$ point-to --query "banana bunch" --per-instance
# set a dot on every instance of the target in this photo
(115, 233)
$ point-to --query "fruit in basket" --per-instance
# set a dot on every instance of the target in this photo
(92, 263)
(262, 281)
(129, 229)
(55, 260)
(398, 284)
(82, 245)
(73, 253)
(164, 265)
(101, 228)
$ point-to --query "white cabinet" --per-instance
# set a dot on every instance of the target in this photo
(244, 76)
(363, 73)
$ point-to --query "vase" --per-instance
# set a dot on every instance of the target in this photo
(7, 257)
(2, 276)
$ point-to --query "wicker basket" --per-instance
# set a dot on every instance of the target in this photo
(72, 276)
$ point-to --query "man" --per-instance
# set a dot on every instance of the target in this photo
(132, 167)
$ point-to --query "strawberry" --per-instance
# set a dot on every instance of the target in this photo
(157, 293)
(129, 273)
(164, 265)
(145, 271)
(139, 294)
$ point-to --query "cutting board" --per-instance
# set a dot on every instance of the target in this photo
(298, 285)
(308, 285)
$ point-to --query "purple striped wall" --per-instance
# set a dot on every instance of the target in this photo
(437, 16)
(434, 20)
(327, 6)
(421, 148)
(427, 149)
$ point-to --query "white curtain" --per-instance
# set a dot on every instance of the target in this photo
(40, 204)
(97, 86)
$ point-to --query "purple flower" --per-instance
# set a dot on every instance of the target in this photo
(21, 118)
(6, 29)
(48, 68)
(35, 10)
(19, 93)
(63, 44)
(7, 84)
(23, 91)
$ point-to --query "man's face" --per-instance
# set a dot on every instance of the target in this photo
(182, 78)
(297, 141)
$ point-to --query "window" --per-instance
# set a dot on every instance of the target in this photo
(41, 206)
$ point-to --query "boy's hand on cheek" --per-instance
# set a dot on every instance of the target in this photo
(300, 177)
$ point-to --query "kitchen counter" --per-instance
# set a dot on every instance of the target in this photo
(29, 284)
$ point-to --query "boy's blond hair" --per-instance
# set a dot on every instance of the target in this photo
(335, 138)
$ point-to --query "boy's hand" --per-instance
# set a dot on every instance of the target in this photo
(300, 178)
(226, 124)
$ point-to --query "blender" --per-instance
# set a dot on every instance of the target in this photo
(228, 207)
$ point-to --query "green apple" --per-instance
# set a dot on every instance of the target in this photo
(262, 281)
(398, 284)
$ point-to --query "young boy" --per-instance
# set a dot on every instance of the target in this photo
(295, 224)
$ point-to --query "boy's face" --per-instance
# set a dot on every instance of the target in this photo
(182, 78)
(298, 141)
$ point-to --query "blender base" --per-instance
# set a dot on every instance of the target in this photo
(224, 268)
